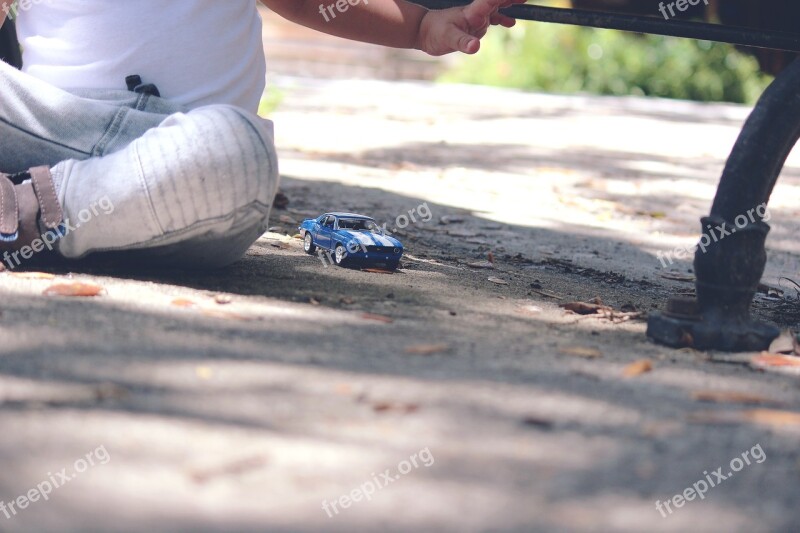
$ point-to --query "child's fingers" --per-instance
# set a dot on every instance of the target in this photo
(479, 11)
(503, 20)
(462, 41)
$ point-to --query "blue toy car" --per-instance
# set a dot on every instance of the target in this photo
(351, 239)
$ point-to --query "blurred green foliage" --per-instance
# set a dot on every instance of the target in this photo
(270, 101)
(566, 59)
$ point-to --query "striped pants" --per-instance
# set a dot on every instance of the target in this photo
(138, 174)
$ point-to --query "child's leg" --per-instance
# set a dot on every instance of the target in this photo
(196, 189)
(200, 184)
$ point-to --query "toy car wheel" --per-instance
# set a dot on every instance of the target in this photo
(308, 244)
(340, 254)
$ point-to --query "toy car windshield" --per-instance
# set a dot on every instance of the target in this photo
(359, 224)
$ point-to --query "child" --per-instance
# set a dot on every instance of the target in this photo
(147, 109)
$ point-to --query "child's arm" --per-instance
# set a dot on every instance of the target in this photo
(398, 23)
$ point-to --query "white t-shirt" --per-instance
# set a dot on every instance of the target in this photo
(197, 52)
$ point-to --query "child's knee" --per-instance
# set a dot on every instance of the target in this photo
(243, 143)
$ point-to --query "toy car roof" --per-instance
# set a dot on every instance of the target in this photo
(349, 215)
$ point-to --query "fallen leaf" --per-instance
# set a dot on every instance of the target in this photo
(183, 302)
(677, 276)
(427, 349)
(580, 351)
(383, 407)
(487, 265)
(32, 275)
(547, 294)
(637, 368)
(767, 417)
(377, 318)
(450, 219)
(498, 281)
(583, 308)
(223, 299)
(490, 257)
(288, 220)
(765, 359)
(731, 397)
(75, 289)
(347, 300)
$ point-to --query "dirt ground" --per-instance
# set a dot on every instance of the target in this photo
(281, 394)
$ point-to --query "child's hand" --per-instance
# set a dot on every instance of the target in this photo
(461, 29)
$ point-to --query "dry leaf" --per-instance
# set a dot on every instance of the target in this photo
(584, 308)
(547, 294)
(427, 349)
(377, 318)
(75, 289)
(766, 417)
(383, 407)
(731, 397)
(677, 276)
(223, 299)
(638, 368)
(765, 359)
(487, 265)
(498, 281)
(580, 351)
(183, 302)
(32, 275)
(490, 257)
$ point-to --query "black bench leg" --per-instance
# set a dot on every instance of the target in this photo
(731, 259)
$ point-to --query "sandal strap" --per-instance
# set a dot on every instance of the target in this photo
(9, 211)
(51, 214)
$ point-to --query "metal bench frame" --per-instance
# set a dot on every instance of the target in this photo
(728, 270)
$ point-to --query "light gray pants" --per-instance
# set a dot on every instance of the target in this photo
(139, 174)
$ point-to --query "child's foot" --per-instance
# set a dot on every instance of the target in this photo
(31, 219)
